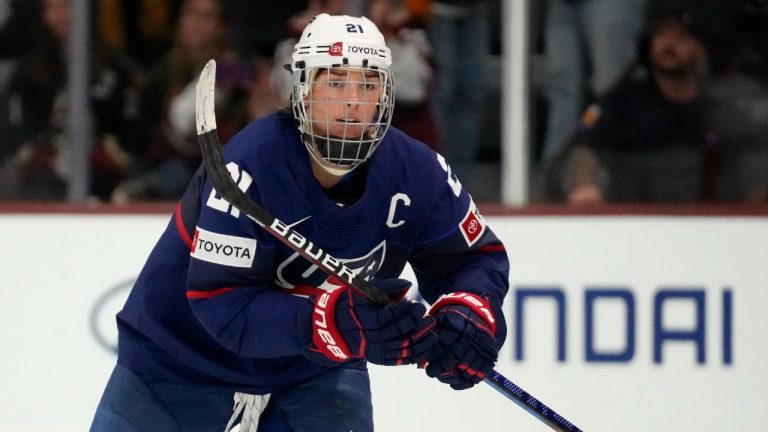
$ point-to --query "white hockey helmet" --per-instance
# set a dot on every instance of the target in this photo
(342, 43)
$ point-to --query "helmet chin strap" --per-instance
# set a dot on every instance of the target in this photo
(322, 163)
(334, 169)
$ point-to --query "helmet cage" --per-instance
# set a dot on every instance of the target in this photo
(344, 140)
(342, 61)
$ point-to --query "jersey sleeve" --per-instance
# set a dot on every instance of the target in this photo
(230, 279)
(458, 252)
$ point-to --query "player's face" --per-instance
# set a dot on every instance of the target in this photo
(343, 102)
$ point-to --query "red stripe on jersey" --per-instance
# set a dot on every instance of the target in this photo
(181, 229)
(207, 294)
(492, 248)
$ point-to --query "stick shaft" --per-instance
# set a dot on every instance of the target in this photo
(529, 403)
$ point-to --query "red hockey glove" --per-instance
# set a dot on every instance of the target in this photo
(466, 347)
(347, 326)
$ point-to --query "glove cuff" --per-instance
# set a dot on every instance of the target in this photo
(325, 335)
(474, 302)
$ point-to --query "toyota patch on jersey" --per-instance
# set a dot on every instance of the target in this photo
(473, 224)
(223, 249)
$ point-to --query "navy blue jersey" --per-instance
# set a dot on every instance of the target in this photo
(219, 299)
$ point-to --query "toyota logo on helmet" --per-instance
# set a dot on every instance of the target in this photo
(336, 49)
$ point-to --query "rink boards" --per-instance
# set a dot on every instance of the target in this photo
(617, 322)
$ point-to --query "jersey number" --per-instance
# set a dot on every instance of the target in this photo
(453, 181)
(243, 180)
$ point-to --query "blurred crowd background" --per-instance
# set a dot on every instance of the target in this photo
(631, 101)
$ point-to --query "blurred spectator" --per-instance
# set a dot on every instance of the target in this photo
(589, 44)
(142, 29)
(656, 137)
(262, 100)
(258, 26)
(459, 31)
(411, 56)
(280, 77)
(169, 102)
(647, 139)
(740, 84)
(259, 47)
(35, 144)
(19, 21)
(419, 10)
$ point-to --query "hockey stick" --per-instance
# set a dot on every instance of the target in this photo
(226, 188)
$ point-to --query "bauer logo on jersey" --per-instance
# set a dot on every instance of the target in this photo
(472, 226)
(223, 249)
(295, 270)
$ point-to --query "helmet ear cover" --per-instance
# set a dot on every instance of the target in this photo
(331, 43)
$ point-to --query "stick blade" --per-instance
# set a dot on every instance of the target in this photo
(205, 116)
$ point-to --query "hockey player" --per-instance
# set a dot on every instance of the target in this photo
(222, 310)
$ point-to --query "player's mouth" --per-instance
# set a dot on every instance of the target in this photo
(347, 128)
